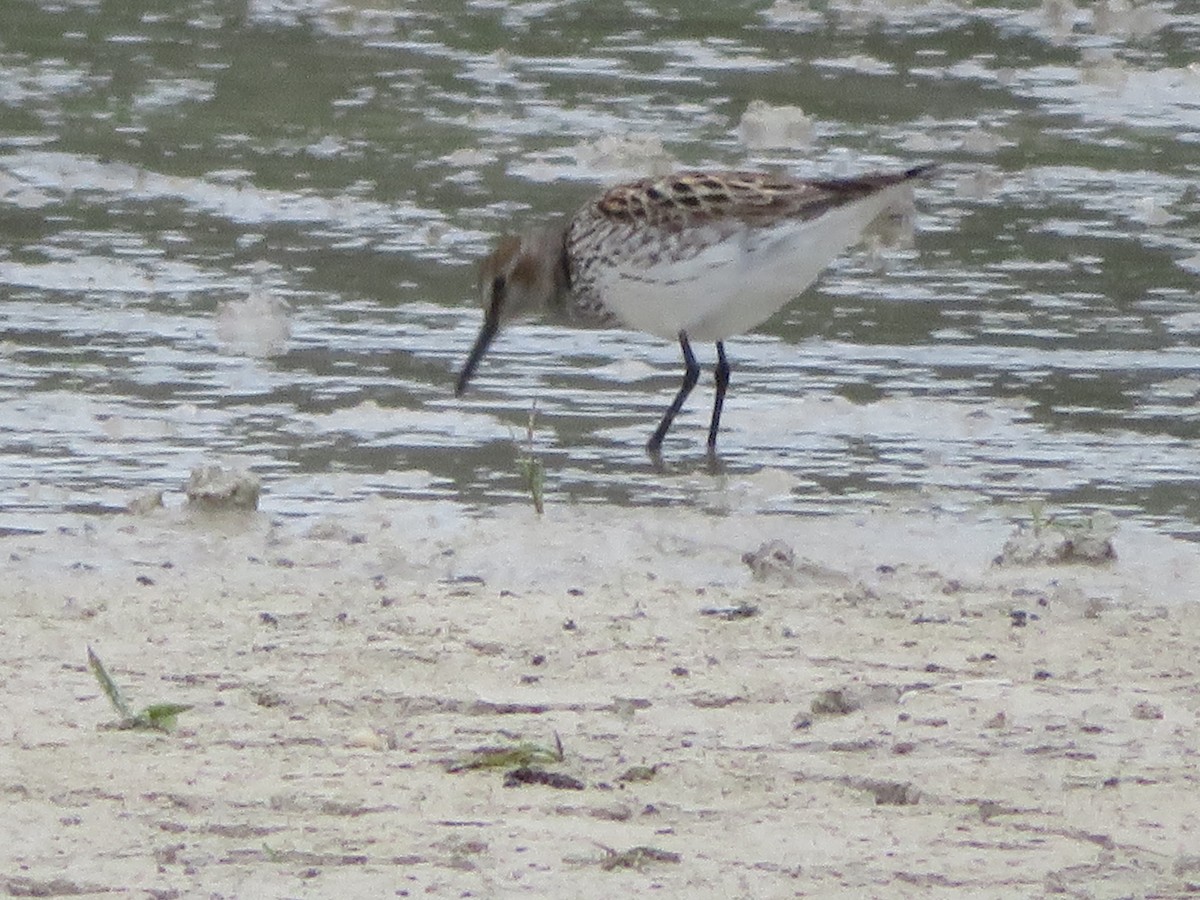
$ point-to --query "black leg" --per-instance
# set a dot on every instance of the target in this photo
(721, 372)
(690, 376)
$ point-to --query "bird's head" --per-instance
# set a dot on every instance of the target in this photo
(522, 277)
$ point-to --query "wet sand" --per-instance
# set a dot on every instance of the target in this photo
(891, 714)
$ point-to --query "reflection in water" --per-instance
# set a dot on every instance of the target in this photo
(214, 251)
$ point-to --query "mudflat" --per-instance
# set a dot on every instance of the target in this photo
(869, 706)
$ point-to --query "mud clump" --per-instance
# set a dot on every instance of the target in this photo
(1089, 543)
(217, 488)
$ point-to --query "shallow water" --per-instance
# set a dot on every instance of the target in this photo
(246, 232)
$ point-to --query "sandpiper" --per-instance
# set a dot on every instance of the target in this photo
(693, 255)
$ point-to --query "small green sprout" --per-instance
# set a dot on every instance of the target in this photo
(156, 717)
(533, 471)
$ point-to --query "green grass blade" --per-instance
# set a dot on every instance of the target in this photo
(109, 686)
(160, 716)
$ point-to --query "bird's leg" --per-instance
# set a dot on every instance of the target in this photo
(690, 376)
(721, 374)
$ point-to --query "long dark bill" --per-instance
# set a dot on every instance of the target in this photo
(491, 324)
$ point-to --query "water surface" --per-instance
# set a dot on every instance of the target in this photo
(247, 232)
